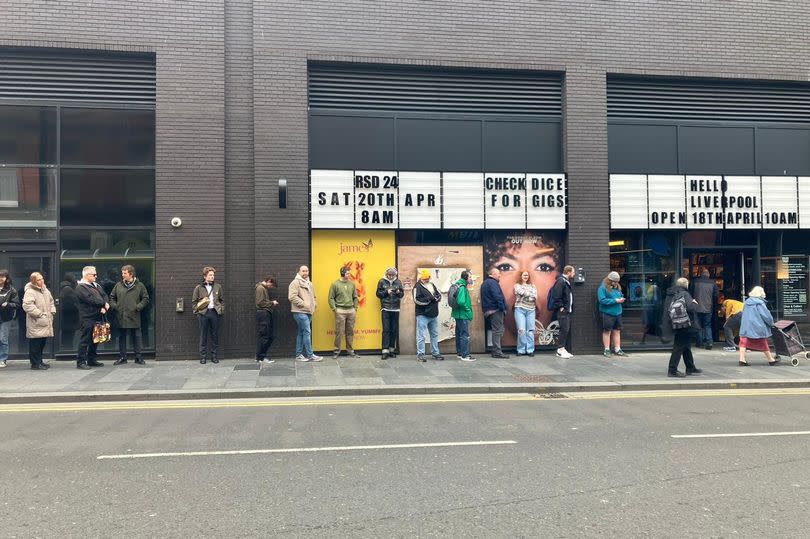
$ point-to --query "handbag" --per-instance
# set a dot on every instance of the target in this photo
(101, 331)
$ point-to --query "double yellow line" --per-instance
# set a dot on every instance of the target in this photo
(414, 399)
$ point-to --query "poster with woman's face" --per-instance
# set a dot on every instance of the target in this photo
(541, 255)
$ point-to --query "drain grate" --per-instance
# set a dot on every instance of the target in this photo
(551, 396)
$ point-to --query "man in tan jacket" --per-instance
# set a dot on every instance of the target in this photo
(302, 299)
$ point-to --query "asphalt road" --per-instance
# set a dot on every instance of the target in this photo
(569, 467)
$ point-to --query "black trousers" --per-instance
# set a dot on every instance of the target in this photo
(136, 338)
(35, 348)
(564, 319)
(264, 333)
(209, 325)
(87, 348)
(681, 347)
(390, 330)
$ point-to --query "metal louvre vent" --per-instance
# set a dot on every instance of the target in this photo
(350, 87)
(58, 74)
(634, 98)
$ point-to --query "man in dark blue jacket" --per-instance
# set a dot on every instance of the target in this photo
(493, 303)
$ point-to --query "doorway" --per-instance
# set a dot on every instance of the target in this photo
(735, 270)
(21, 264)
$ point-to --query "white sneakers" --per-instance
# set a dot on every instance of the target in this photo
(563, 353)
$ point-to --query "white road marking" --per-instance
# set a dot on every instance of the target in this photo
(300, 450)
(743, 434)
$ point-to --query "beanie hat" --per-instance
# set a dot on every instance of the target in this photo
(424, 274)
(614, 276)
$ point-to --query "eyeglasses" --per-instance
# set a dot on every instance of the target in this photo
(93, 274)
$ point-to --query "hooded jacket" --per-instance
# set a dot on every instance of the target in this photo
(464, 310)
(492, 298)
(301, 294)
(427, 298)
(667, 332)
(39, 309)
(756, 319)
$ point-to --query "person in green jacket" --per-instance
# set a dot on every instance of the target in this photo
(463, 314)
(128, 298)
(343, 301)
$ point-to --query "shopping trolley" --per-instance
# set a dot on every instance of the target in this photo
(788, 342)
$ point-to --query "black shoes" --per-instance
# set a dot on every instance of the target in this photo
(95, 364)
(202, 361)
(439, 358)
(140, 361)
(421, 357)
(120, 361)
(214, 360)
(676, 374)
(39, 367)
(83, 366)
(694, 371)
(500, 356)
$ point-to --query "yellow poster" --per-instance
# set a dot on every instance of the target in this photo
(367, 253)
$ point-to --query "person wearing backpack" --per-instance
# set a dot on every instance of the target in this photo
(459, 299)
(678, 320)
(561, 301)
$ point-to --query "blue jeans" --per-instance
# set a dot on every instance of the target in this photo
(462, 337)
(424, 323)
(303, 341)
(5, 328)
(524, 320)
(705, 335)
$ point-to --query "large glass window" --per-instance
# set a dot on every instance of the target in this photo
(108, 137)
(646, 262)
(107, 250)
(107, 197)
(27, 197)
(27, 135)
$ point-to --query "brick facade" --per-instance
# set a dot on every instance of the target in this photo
(232, 106)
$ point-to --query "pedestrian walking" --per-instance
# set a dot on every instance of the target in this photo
(390, 292)
(93, 305)
(343, 301)
(493, 304)
(301, 294)
(732, 312)
(611, 300)
(9, 303)
(678, 321)
(706, 293)
(209, 306)
(755, 327)
(39, 310)
(426, 297)
(264, 318)
(128, 299)
(460, 301)
(525, 314)
(562, 303)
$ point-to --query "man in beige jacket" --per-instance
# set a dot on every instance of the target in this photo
(302, 300)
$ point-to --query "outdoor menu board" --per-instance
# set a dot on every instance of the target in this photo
(794, 287)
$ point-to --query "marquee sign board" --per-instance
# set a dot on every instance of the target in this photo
(677, 202)
(434, 200)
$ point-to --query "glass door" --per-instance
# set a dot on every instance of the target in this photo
(21, 264)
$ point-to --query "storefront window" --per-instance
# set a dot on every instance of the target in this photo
(107, 251)
(646, 262)
(27, 135)
(27, 197)
(793, 285)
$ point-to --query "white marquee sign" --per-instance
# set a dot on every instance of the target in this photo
(641, 201)
(435, 200)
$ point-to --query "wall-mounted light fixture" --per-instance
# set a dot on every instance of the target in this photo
(282, 193)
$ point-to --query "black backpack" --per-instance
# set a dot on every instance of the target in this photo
(452, 295)
(678, 313)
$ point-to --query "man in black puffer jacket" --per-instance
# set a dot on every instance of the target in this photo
(390, 292)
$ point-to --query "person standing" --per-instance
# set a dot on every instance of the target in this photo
(390, 292)
(525, 308)
(706, 293)
(732, 312)
(301, 294)
(755, 328)
(9, 303)
(680, 327)
(426, 297)
(209, 313)
(39, 310)
(93, 304)
(562, 303)
(463, 314)
(611, 299)
(128, 298)
(343, 301)
(68, 311)
(264, 318)
(493, 303)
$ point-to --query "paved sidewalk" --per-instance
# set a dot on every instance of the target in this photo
(370, 375)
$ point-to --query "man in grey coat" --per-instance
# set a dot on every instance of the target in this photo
(706, 293)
